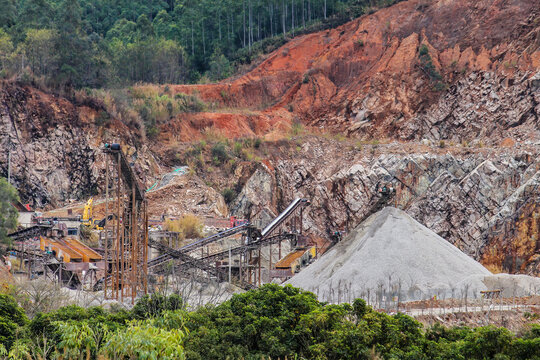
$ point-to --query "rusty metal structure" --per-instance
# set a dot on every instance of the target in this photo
(125, 242)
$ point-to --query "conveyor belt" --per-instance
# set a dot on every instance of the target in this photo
(203, 263)
(283, 216)
(170, 252)
(127, 171)
(29, 232)
(199, 263)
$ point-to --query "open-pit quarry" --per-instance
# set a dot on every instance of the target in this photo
(288, 169)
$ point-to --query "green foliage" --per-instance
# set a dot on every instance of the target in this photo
(272, 321)
(219, 153)
(150, 306)
(8, 213)
(76, 340)
(144, 340)
(7, 332)
(220, 66)
(95, 43)
(427, 65)
(102, 118)
(229, 195)
(11, 317)
(9, 309)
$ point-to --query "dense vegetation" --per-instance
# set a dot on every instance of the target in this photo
(8, 213)
(271, 322)
(95, 43)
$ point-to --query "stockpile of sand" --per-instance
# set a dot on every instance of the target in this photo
(391, 255)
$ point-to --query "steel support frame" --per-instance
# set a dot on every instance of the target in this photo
(126, 239)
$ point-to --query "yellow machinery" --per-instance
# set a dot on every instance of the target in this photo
(87, 214)
(87, 219)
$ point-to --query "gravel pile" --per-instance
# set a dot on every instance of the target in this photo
(391, 255)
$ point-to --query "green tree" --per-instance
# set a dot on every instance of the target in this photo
(11, 316)
(71, 45)
(487, 342)
(39, 50)
(220, 66)
(8, 213)
(8, 13)
(33, 14)
(144, 340)
(6, 50)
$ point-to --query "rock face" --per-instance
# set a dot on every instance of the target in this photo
(483, 201)
(55, 146)
(186, 194)
(52, 156)
(483, 107)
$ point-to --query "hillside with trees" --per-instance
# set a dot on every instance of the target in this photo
(96, 43)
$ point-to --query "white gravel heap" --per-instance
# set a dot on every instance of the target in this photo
(392, 255)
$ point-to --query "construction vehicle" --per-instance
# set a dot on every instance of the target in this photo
(87, 214)
(87, 220)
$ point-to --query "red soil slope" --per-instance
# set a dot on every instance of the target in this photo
(369, 69)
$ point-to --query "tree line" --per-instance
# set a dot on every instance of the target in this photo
(271, 322)
(97, 43)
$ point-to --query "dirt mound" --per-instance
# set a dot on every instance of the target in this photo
(392, 255)
(184, 194)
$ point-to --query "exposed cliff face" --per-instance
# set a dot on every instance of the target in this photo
(55, 146)
(52, 157)
(483, 201)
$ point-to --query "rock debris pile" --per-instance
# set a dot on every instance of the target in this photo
(391, 255)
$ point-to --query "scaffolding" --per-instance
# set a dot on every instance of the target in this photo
(125, 242)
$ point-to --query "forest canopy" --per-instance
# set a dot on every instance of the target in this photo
(99, 43)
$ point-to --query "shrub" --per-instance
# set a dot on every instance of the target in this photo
(427, 65)
(219, 153)
(7, 332)
(189, 226)
(297, 129)
(102, 118)
(237, 148)
(152, 131)
(144, 340)
(10, 310)
(423, 50)
(229, 195)
(257, 143)
(150, 306)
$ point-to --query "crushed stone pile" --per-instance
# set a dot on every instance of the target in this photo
(391, 255)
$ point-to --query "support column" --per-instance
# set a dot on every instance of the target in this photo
(259, 267)
(106, 227)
